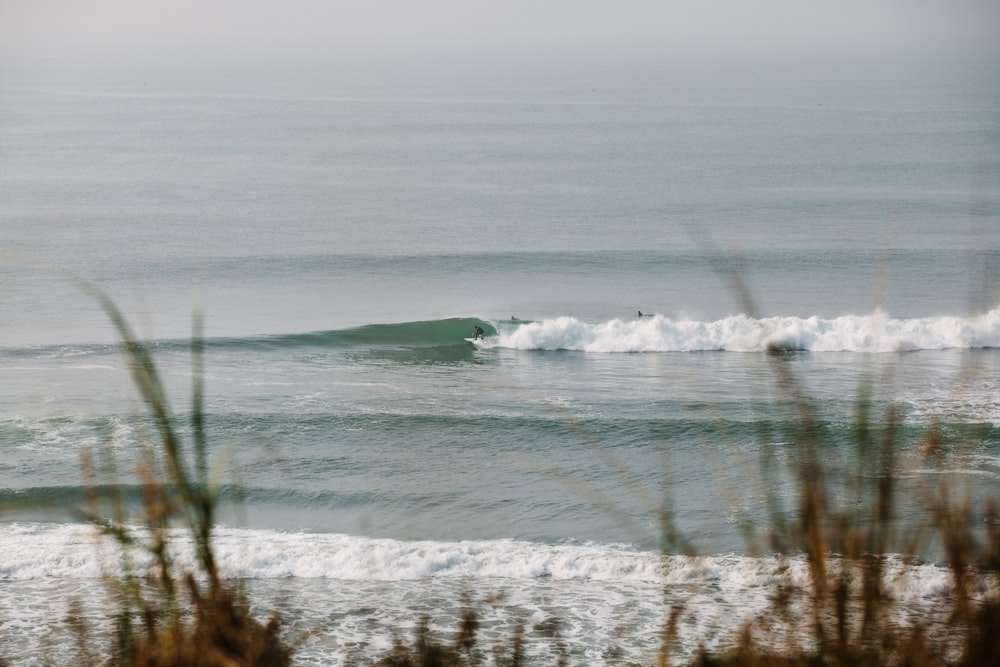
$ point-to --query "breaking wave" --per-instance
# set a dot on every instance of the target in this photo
(876, 332)
(43, 550)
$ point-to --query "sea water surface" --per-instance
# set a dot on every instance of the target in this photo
(343, 242)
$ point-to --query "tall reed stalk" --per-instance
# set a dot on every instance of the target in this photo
(166, 616)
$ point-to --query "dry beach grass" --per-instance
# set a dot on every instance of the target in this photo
(166, 616)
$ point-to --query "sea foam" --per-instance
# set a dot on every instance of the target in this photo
(876, 332)
(74, 551)
(354, 591)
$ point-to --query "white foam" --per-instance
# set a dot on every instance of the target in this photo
(76, 432)
(598, 593)
(35, 550)
(875, 332)
(72, 551)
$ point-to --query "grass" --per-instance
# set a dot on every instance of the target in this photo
(165, 616)
(844, 525)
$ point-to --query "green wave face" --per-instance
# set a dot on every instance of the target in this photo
(428, 333)
(410, 335)
(421, 342)
(422, 334)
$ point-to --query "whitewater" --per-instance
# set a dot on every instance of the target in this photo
(593, 592)
(740, 333)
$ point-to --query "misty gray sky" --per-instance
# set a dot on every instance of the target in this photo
(115, 30)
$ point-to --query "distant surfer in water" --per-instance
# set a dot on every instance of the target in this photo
(479, 332)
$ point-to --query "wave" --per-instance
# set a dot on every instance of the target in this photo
(358, 592)
(875, 332)
(133, 495)
(740, 333)
(35, 550)
(427, 333)
(419, 334)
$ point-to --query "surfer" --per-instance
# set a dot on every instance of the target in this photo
(479, 332)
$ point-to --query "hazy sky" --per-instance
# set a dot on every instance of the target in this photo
(53, 30)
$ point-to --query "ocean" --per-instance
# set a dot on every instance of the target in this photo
(640, 251)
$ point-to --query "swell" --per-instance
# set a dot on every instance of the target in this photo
(427, 333)
(449, 332)
(303, 436)
(66, 498)
(875, 332)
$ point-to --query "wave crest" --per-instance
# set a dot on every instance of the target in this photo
(875, 332)
(43, 550)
